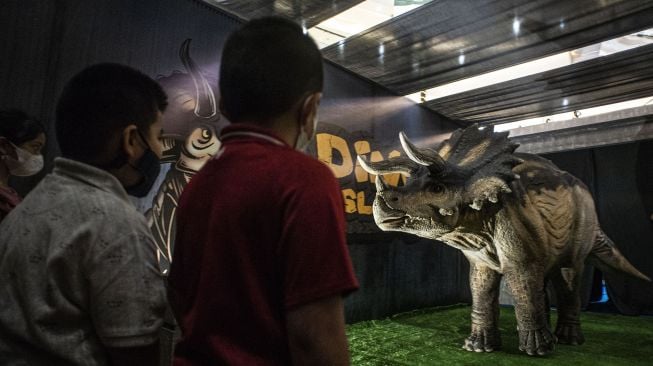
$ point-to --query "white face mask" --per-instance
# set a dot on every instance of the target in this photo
(304, 139)
(27, 163)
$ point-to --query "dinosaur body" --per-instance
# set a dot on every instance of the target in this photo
(515, 216)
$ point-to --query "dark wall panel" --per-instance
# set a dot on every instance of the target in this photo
(25, 45)
(625, 219)
(619, 178)
(399, 272)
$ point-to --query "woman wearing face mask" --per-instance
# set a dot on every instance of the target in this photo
(21, 141)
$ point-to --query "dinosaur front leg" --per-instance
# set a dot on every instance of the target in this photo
(485, 336)
(527, 287)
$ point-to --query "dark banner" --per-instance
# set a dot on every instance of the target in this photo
(338, 149)
(367, 125)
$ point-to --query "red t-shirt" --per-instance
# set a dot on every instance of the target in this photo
(260, 230)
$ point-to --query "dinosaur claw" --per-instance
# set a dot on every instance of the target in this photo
(537, 342)
(483, 340)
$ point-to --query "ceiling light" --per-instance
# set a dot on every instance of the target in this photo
(494, 77)
(516, 24)
(357, 19)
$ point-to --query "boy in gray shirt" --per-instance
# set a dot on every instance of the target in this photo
(79, 278)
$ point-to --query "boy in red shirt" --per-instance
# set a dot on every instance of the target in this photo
(261, 262)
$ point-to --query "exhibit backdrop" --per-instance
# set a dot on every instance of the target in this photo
(365, 124)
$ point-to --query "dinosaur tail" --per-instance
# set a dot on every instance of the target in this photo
(607, 257)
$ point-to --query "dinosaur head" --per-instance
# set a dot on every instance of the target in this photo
(459, 177)
(192, 120)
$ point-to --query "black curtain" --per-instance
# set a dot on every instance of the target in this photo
(401, 272)
(621, 180)
(626, 220)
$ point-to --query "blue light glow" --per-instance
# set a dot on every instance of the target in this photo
(604, 293)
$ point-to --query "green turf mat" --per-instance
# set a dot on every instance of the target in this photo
(435, 336)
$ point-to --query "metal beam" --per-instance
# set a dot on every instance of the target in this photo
(582, 133)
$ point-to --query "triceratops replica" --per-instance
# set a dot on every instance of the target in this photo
(512, 215)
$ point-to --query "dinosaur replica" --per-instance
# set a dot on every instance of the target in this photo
(512, 215)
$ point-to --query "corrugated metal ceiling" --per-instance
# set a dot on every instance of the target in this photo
(422, 49)
(307, 13)
(610, 79)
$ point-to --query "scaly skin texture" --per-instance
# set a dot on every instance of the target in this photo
(515, 216)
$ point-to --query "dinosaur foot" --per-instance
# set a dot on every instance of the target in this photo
(569, 333)
(483, 340)
(538, 342)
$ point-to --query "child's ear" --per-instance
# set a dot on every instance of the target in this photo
(309, 108)
(130, 143)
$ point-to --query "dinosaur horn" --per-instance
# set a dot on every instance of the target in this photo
(381, 185)
(394, 165)
(205, 106)
(434, 161)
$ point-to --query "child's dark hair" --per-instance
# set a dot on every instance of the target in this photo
(18, 127)
(267, 66)
(98, 103)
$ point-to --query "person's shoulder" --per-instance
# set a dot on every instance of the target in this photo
(107, 209)
(121, 211)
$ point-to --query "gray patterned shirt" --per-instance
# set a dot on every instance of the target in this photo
(78, 272)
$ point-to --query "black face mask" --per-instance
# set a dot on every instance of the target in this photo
(149, 167)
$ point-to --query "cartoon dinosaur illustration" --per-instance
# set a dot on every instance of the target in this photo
(512, 215)
(191, 124)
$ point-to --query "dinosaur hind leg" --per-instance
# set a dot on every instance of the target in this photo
(566, 281)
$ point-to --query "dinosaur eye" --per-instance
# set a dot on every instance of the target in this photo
(437, 188)
(206, 136)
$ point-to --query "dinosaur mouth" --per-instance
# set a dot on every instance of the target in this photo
(388, 216)
(394, 220)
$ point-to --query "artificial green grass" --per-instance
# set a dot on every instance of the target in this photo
(435, 336)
